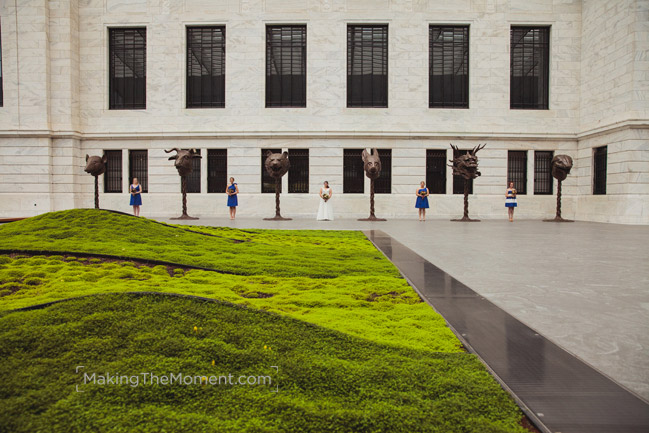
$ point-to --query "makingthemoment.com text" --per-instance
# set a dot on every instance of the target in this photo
(149, 378)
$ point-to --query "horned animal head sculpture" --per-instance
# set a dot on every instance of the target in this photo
(96, 165)
(561, 166)
(371, 163)
(276, 164)
(466, 165)
(183, 159)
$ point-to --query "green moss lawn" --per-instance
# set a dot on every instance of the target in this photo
(356, 349)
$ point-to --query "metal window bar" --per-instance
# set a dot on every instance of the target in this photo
(383, 185)
(529, 67)
(458, 181)
(599, 170)
(205, 67)
(127, 58)
(138, 166)
(367, 66)
(113, 174)
(217, 170)
(517, 170)
(448, 67)
(436, 171)
(267, 182)
(298, 173)
(285, 66)
(194, 178)
(543, 180)
(353, 173)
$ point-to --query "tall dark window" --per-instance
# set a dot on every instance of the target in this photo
(543, 172)
(599, 170)
(206, 67)
(367, 66)
(127, 82)
(1, 86)
(298, 174)
(138, 166)
(113, 174)
(448, 67)
(458, 181)
(267, 182)
(517, 170)
(353, 173)
(217, 170)
(194, 178)
(529, 67)
(285, 66)
(436, 171)
(383, 185)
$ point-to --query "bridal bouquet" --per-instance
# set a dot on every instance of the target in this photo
(325, 197)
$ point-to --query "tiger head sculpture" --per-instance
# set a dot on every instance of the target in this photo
(561, 166)
(183, 159)
(371, 163)
(466, 165)
(276, 164)
(95, 165)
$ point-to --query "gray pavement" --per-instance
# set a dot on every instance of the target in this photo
(584, 286)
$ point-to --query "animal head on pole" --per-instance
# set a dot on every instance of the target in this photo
(561, 166)
(371, 163)
(183, 160)
(466, 165)
(96, 165)
(276, 164)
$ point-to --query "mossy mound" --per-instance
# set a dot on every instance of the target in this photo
(326, 380)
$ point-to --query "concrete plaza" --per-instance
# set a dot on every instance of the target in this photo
(584, 286)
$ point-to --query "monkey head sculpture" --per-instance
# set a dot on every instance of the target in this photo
(561, 166)
(466, 165)
(371, 163)
(276, 164)
(95, 165)
(183, 159)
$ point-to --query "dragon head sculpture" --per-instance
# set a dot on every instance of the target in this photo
(561, 166)
(371, 163)
(466, 165)
(95, 165)
(276, 164)
(183, 159)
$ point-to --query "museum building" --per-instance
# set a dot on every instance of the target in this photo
(322, 80)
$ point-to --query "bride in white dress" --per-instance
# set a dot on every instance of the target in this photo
(325, 210)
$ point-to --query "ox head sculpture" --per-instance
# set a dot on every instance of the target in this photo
(276, 164)
(371, 163)
(95, 165)
(183, 159)
(561, 166)
(466, 165)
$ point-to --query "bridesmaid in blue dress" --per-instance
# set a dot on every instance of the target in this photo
(136, 197)
(422, 200)
(232, 190)
(510, 201)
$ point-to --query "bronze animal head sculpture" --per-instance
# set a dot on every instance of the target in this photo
(466, 165)
(276, 164)
(183, 159)
(371, 163)
(95, 165)
(561, 166)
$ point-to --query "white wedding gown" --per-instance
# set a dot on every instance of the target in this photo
(325, 210)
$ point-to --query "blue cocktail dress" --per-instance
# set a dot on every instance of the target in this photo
(232, 199)
(510, 201)
(422, 202)
(136, 199)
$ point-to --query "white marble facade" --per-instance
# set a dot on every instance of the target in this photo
(55, 105)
